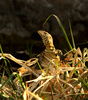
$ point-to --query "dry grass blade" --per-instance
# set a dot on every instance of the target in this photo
(20, 62)
(39, 78)
(62, 89)
(57, 79)
(27, 93)
(42, 85)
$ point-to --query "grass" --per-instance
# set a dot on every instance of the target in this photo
(62, 28)
(56, 81)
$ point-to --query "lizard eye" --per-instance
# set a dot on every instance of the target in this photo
(45, 33)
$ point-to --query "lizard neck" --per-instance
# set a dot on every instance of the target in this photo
(50, 49)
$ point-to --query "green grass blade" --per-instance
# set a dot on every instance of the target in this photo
(20, 81)
(5, 97)
(5, 61)
(41, 68)
(8, 72)
(9, 78)
(57, 65)
(30, 49)
(72, 35)
(83, 83)
(74, 71)
(48, 67)
(61, 26)
(1, 50)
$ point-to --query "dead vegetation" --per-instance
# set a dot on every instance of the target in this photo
(63, 79)
(67, 80)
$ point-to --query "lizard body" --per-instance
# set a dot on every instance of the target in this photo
(50, 53)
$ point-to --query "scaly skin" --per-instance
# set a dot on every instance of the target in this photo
(50, 53)
(47, 40)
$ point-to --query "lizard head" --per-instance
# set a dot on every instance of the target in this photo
(46, 38)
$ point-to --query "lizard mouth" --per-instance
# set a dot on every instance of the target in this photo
(40, 32)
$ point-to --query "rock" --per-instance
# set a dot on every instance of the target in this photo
(25, 17)
(80, 9)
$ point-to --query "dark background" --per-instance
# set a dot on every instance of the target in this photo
(21, 19)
